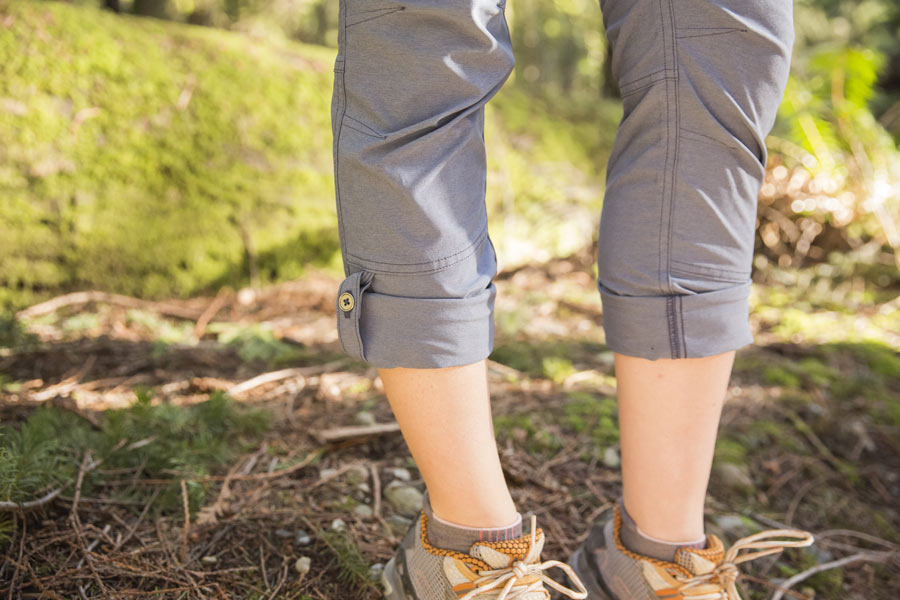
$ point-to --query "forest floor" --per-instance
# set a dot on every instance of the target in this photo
(207, 448)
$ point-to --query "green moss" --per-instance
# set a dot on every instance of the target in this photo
(588, 413)
(152, 440)
(557, 368)
(775, 375)
(156, 158)
(730, 450)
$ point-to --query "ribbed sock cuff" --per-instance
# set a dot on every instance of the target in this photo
(450, 536)
(640, 542)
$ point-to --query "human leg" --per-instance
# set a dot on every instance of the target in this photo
(411, 81)
(701, 82)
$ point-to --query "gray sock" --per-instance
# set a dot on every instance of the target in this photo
(637, 541)
(450, 536)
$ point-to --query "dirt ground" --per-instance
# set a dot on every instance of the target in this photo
(309, 508)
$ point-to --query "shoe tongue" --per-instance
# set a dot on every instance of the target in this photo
(500, 555)
(701, 561)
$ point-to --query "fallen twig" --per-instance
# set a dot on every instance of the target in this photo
(339, 434)
(76, 298)
(880, 557)
(284, 374)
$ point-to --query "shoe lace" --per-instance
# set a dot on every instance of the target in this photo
(758, 545)
(490, 581)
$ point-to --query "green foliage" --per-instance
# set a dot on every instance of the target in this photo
(853, 163)
(156, 158)
(587, 412)
(352, 566)
(152, 440)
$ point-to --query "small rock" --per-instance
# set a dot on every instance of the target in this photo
(375, 571)
(356, 474)
(734, 477)
(363, 511)
(338, 525)
(364, 488)
(327, 473)
(399, 473)
(405, 499)
(283, 533)
(364, 417)
(301, 538)
(209, 560)
(398, 524)
(611, 458)
(303, 564)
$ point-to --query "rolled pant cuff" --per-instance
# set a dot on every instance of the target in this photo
(420, 333)
(678, 326)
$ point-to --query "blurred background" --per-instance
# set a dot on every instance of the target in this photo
(168, 236)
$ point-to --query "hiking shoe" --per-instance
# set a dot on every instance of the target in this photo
(612, 572)
(506, 570)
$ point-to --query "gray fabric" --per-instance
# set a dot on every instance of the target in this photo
(442, 534)
(633, 540)
(701, 81)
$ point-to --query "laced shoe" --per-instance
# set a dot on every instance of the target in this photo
(612, 572)
(506, 570)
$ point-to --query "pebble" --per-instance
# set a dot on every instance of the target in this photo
(356, 474)
(209, 560)
(283, 533)
(405, 499)
(611, 458)
(399, 473)
(363, 510)
(327, 473)
(364, 417)
(734, 477)
(398, 524)
(301, 538)
(303, 564)
(338, 525)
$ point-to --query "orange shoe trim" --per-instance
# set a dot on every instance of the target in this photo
(669, 566)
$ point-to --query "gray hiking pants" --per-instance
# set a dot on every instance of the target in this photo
(700, 80)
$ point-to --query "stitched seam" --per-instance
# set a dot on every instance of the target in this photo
(337, 141)
(645, 86)
(378, 16)
(643, 77)
(393, 8)
(704, 138)
(372, 132)
(675, 129)
(362, 131)
(670, 320)
(696, 35)
(709, 270)
(681, 338)
(458, 256)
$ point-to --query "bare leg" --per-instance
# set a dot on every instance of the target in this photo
(669, 414)
(445, 416)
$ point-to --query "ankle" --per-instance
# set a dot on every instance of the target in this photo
(639, 541)
(452, 535)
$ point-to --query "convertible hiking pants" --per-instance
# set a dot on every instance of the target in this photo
(700, 80)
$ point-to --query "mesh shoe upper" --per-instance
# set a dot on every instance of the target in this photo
(696, 574)
(506, 570)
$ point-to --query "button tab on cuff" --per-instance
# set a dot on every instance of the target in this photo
(349, 305)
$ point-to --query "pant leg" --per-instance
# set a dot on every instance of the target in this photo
(411, 81)
(701, 81)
